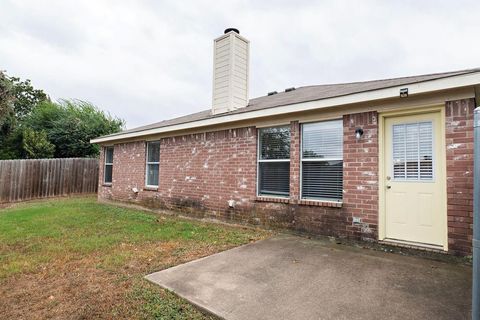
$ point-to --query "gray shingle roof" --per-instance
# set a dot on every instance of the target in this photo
(303, 94)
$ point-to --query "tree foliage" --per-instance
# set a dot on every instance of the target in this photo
(26, 97)
(17, 100)
(71, 124)
(36, 144)
(33, 126)
(6, 99)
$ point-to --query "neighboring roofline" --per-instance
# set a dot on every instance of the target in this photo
(451, 82)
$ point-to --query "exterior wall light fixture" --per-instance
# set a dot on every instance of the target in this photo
(404, 93)
(358, 133)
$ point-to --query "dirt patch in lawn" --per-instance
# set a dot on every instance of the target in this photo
(94, 268)
(94, 287)
(74, 292)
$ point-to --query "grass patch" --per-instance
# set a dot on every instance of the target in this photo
(77, 258)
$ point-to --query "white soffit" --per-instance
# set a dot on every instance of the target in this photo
(452, 82)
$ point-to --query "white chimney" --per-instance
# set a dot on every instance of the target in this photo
(230, 72)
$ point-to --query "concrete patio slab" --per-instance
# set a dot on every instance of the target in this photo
(289, 277)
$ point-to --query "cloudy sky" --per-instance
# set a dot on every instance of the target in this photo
(145, 61)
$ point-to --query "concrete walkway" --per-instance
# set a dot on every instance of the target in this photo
(290, 277)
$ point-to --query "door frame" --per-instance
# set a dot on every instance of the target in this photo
(382, 212)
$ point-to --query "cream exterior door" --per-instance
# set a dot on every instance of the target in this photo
(415, 180)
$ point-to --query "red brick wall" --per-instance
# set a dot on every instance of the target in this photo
(459, 140)
(199, 173)
(128, 171)
(360, 169)
(294, 161)
(208, 169)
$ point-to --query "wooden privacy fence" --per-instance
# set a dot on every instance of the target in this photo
(42, 178)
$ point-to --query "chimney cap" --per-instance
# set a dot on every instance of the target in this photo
(231, 29)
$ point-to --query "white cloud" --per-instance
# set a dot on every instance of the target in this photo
(146, 61)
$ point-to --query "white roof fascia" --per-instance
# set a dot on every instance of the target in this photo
(385, 93)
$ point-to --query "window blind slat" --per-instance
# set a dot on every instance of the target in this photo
(322, 178)
(274, 165)
(413, 151)
(274, 178)
(323, 139)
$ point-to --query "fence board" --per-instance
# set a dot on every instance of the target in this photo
(41, 178)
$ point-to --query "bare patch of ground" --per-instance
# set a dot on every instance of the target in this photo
(79, 273)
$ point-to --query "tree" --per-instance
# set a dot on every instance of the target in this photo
(6, 99)
(26, 97)
(71, 124)
(17, 100)
(36, 144)
(33, 126)
(11, 145)
(8, 143)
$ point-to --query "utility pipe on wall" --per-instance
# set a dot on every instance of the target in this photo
(476, 218)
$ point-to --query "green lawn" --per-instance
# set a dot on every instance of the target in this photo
(79, 259)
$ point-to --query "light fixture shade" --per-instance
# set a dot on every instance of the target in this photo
(358, 133)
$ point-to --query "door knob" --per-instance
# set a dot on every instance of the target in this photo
(389, 187)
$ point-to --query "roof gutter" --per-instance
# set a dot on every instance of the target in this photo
(452, 82)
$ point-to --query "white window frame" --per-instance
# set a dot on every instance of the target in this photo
(147, 163)
(317, 160)
(105, 164)
(259, 152)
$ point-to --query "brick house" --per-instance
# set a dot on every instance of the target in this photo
(387, 160)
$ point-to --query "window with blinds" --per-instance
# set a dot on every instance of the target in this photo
(322, 160)
(413, 151)
(274, 161)
(153, 163)
(108, 169)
